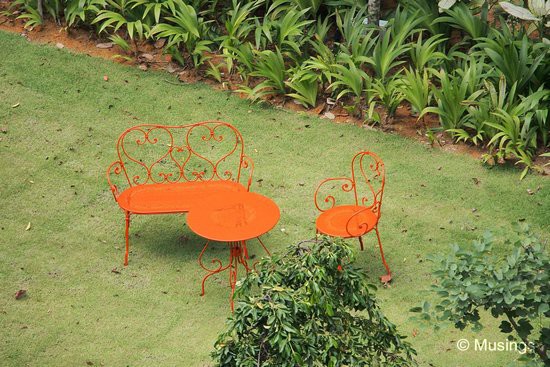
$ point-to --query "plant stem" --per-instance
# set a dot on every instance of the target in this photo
(540, 350)
(374, 12)
(40, 8)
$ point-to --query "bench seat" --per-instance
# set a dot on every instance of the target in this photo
(171, 198)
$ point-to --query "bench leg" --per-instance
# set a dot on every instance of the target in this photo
(127, 235)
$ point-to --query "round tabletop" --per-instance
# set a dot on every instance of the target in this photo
(233, 216)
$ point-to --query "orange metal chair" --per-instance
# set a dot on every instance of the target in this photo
(366, 185)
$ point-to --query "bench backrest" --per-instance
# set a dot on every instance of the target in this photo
(202, 151)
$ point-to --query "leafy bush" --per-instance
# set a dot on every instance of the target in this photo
(515, 286)
(309, 307)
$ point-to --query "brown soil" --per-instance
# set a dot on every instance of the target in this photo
(76, 40)
(82, 41)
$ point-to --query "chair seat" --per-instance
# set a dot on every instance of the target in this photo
(171, 198)
(334, 221)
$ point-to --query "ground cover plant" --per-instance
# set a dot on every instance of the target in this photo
(316, 51)
(62, 234)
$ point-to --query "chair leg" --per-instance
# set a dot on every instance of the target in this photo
(127, 235)
(361, 243)
(384, 278)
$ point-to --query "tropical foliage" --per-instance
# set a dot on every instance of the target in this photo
(445, 59)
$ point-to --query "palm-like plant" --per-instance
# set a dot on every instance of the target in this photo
(389, 93)
(350, 80)
(123, 14)
(238, 23)
(78, 10)
(305, 85)
(186, 27)
(459, 16)
(480, 112)
(425, 54)
(518, 60)
(386, 55)
(291, 30)
(270, 66)
(453, 98)
(430, 11)
(518, 126)
(33, 18)
(405, 24)
(359, 49)
(416, 89)
(312, 6)
(323, 62)
(349, 23)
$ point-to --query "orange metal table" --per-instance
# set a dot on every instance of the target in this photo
(232, 217)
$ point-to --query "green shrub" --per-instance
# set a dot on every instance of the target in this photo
(514, 287)
(309, 307)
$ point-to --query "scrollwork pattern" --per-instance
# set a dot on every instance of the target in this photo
(175, 162)
(373, 176)
(368, 174)
(346, 185)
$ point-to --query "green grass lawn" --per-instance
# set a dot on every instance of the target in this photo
(57, 144)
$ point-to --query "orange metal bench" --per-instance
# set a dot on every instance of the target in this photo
(169, 169)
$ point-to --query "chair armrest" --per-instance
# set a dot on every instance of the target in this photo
(358, 229)
(346, 185)
(114, 168)
(247, 165)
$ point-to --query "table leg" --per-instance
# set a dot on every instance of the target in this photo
(235, 257)
(238, 254)
(211, 271)
(265, 249)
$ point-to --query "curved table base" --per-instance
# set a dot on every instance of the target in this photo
(238, 254)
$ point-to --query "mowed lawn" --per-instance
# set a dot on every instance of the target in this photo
(60, 120)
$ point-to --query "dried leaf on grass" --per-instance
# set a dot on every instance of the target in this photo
(20, 294)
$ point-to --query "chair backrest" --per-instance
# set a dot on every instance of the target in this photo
(366, 185)
(369, 177)
(202, 151)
